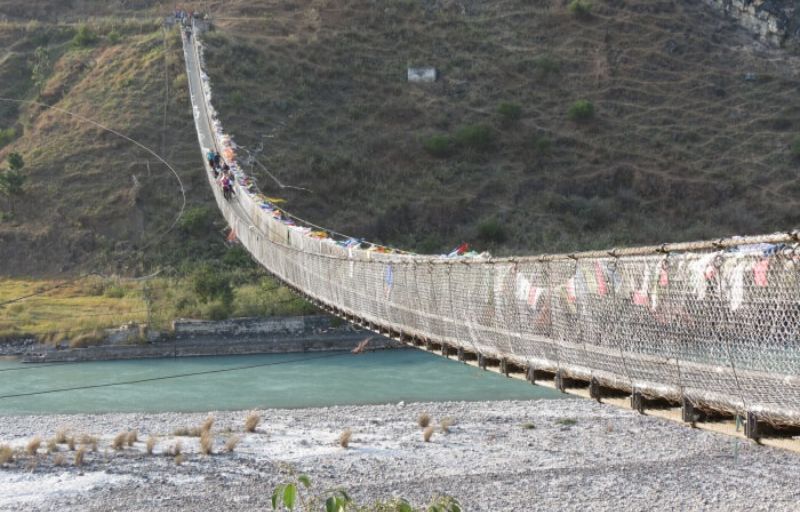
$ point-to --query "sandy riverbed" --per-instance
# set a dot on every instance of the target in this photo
(609, 459)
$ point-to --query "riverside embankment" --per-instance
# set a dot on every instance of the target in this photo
(242, 336)
(574, 455)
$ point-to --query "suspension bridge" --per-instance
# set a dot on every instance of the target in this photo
(712, 326)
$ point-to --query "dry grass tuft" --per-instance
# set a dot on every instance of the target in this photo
(424, 420)
(79, 455)
(231, 443)
(445, 424)
(179, 459)
(427, 434)
(119, 441)
(59, 460)
(6, 454)
(151, 443)
(33, 445)
(207, 443)
(61, 436)
(132, 437)
(52, 446)
(89, 441)
(177, 449)
(251, 422)
(71, 443)
(206, 426)
(345, 437)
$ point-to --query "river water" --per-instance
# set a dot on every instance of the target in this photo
(285, 381)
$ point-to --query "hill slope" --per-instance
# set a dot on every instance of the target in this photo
(691, 135)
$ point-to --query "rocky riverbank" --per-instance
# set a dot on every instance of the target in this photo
(498, 456)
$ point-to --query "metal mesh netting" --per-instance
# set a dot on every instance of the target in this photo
(713, 322)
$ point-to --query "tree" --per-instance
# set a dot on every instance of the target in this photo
(15, 161)
(41, 68)
(11, 185)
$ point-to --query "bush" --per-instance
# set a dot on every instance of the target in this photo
(440, 146)
(478, 137)
(581, 110)
(209, 283)
(427, 434)
(196, 220)
(547, 65)
(84, 37)
(114, 292)
(7, 136)
(509, 112)
(794, 147)
(237, 257)
(252, 421)
(114, 37)
(216, 310)
(424, 420)
(345, 437)
(492, 231)
(542, 144)
(580, 8)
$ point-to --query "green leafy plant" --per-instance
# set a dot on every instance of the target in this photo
(84, 37)
(580, 8)
(440, 146)
(6, 136)
(478, 137)
(509, 112)
(581, 110)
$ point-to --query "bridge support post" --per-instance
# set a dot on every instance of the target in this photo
(752, 429)
(460, 353)
(637, 402)
(594, 390)
(530, 375)
(481, 362)
(504, 367)
(558, 380)
(688, 412)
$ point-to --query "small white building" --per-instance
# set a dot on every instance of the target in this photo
(422, 74)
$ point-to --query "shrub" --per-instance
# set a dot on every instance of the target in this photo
(547, 65)
(87, 339)
(71, 443)
(119, 441)
(528, 426)
(581, 110)
(231, 443)
(440, 146)
(567, 422)
(59, 459)
(114, 292)
(216, 310)
(345, 437)
(492, 231)
(79, 455)
(6, 454)
(542, 144)
(179, 459)
(33, 445)
(580, 8)
(207, 443)
(84, 37)
(7, 136)
(794, 147)
(427, 434)
(509, 112)
(196, 220)
(151, 444)
(251, 422)
(52, 446)
(177, 449)
(15, 161)
(114, 37)
(478, 137)
(424, 419)
(209, 283)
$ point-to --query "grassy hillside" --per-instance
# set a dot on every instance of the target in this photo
(691, 134)
(554, 125)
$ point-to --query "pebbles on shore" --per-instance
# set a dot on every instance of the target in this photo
(497, 456)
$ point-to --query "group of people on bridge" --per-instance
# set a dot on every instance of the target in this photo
(222, 173)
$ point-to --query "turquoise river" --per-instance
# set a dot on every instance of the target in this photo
(243, 382)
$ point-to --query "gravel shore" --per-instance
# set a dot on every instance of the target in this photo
(498, 456)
